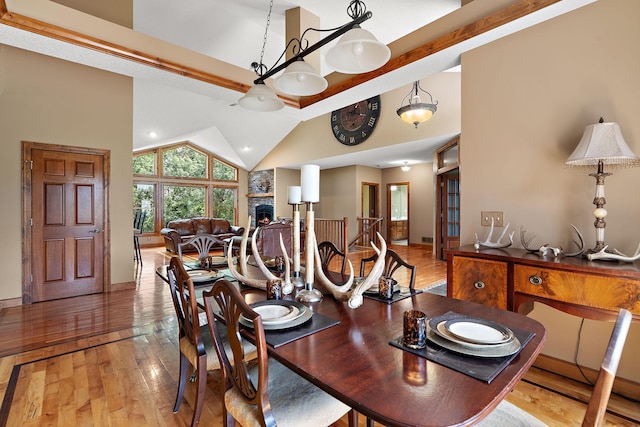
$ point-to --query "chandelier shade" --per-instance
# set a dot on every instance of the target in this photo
(406, 167)
(358, 51)
(300, 79)
(261, 98)
(416, 111)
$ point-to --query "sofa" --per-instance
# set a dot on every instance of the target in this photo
(180, 231)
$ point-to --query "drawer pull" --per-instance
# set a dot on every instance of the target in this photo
(479, 284)
(535, 280)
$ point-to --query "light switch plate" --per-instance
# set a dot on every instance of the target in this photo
(498, 218)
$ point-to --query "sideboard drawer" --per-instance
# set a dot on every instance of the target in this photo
(607, 292)
(481, 281)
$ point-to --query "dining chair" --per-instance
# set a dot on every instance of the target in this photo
(196, 348)
(266, 392)
(328, 251)
(203, 243)
(138, 223)
(392, 262)
(508, 414)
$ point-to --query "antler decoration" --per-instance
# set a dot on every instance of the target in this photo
(546, 249)
(342, 293)
(618, 256)
(489, 244)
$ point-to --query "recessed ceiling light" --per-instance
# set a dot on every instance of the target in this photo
(246, 148)
(153, 134)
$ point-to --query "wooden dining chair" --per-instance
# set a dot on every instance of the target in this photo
(203, 243)
(328, 251)
(508, 414)
(392, 262)
(138, 224)
(196, 348)
(265, 393)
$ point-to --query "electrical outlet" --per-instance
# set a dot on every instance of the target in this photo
(487, 216)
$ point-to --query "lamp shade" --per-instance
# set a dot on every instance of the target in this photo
(310, 183)
(294, 194)
(416, 113)
(602, 142)
(261, 98)
(357, 51)
(300, 79)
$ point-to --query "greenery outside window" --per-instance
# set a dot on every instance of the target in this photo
(144, 196)
(174, 182)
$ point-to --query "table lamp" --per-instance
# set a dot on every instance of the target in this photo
(601, 144)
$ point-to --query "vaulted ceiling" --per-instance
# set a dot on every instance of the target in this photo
(190, 60)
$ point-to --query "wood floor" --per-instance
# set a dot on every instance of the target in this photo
(112, 360)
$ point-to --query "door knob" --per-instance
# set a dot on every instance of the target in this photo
(95, 231)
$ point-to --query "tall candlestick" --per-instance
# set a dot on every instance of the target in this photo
(296, 279)
(309, 294)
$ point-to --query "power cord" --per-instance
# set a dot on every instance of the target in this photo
(575, 356)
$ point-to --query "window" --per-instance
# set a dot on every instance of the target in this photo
(224, 203)
(144, 164)
(184, 161)
(174, 182)
(144, 196)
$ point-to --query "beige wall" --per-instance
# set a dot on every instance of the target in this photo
(526, 101)
(52, 101)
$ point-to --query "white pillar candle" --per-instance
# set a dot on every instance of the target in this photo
(294, 194)
(310, 182)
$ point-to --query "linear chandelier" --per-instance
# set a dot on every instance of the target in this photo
(357, 51)
(416, 111)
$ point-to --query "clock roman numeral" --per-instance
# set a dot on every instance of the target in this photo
(372, 122)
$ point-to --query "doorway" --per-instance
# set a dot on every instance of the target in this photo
(65, 232)
(398, 213)
(447, 197)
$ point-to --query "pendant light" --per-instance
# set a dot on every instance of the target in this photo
(416, 111)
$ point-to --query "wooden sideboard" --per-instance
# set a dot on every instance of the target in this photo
(513, 279)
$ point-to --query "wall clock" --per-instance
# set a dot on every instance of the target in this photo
(355, 123)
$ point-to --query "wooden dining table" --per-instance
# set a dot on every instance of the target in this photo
(354, 361)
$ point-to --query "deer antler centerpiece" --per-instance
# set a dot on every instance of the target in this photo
(495, 245)
(340, 292)
(546, 249)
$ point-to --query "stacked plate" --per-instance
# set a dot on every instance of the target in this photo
(203, 275)
(279, 314)
(473, 336)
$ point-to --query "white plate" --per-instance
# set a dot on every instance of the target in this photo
(478, 331)
(203, 275)
(277, 314)
(303, 315)
(476, 350)
(442, 331)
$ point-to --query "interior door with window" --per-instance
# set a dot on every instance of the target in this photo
(446, 159)
(67, 225)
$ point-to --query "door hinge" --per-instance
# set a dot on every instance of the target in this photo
(31, 221)
(30, 164)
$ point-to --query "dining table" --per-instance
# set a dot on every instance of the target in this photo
(357, 356)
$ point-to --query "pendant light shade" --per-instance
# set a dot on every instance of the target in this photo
(300, 79)
(416, 111)
(357, 51)
(261, 98)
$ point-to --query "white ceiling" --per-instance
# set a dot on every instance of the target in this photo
(234, 33)
(180, 108)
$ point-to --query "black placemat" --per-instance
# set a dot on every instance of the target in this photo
(397, 296)
(317, 323)
(482, 368)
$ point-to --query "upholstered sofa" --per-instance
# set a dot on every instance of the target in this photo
(180, 231)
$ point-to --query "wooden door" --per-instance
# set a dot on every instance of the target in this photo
(446, 160)
(67, 224)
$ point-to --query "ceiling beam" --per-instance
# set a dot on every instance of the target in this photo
(338, 82)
